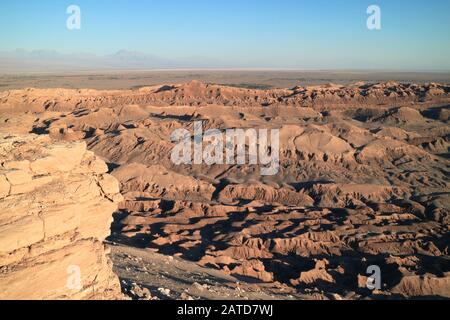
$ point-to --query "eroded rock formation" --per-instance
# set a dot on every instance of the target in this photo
(56, 205)
(363, 180)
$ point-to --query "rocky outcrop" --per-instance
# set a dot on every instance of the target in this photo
(196, 93)
(56, 205)
(158, 182)
(264, 193)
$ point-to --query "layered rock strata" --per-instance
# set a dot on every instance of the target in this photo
(56, 206)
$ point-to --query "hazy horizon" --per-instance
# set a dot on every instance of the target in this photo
(52, 61)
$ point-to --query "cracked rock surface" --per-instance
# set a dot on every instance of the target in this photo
(56, 206)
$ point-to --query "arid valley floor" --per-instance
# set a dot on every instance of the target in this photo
(363, 180)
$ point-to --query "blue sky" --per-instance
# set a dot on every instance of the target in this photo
(310, 34)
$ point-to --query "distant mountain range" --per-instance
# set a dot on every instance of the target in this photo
(54, 61)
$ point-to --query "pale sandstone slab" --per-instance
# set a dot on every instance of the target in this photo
(78, 271)
(16, 177)
(30, 185)
(4, 186)
(56, 210)
(21, 233)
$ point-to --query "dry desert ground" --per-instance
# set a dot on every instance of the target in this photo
(363, 180)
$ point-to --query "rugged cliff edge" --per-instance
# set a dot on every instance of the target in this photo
(56, 206)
